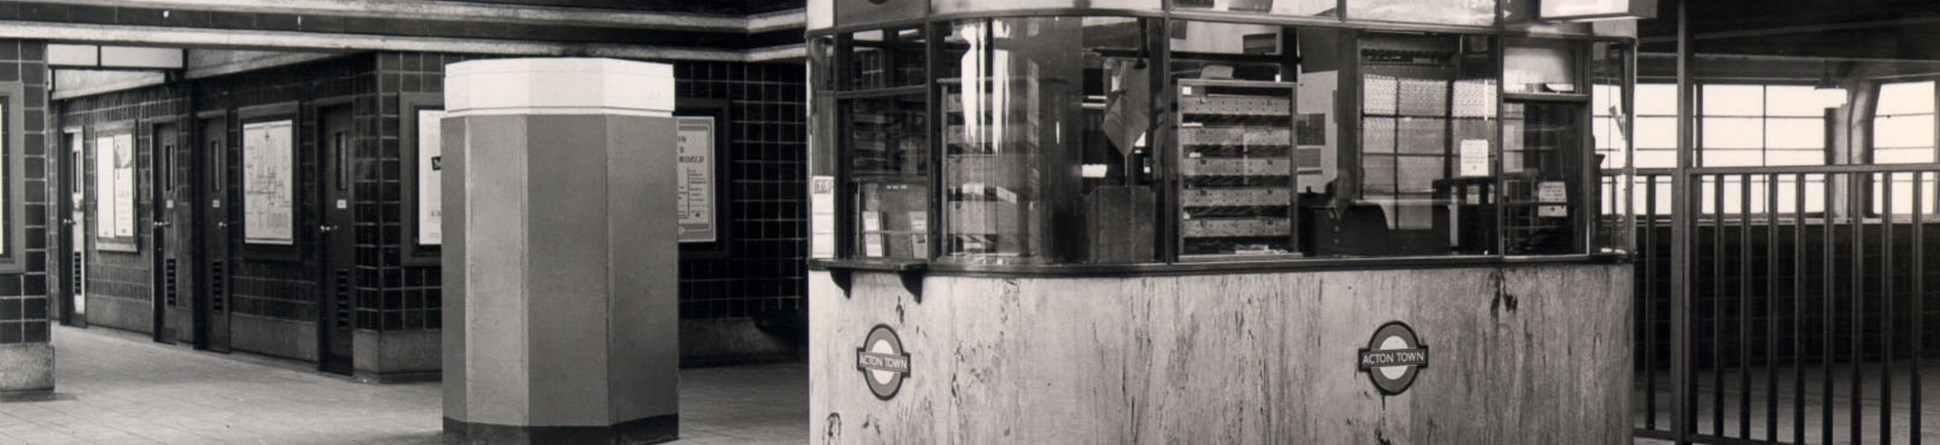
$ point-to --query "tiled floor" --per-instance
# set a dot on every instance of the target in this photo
(115, 388)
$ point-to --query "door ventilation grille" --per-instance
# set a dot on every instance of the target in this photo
(344, 308)
(168, 282)
(217, 294)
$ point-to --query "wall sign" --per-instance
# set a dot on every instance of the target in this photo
(695, 186)
(431, 214)
(1392, 358)
(114, 186)
(883, 362)
(821, 197)
(269, 184)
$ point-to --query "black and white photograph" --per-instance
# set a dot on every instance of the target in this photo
(903, 222)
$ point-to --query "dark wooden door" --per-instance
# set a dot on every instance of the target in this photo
(212, 229)
(165, 145)
(337, 312)
(73, 236)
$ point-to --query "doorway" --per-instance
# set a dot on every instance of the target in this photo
(164, 146)
(74, 225)
(336, 310)
(212, 228)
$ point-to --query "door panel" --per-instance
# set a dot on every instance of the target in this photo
(163, 144)
(336, 311)
(74, 223)
(213, 230)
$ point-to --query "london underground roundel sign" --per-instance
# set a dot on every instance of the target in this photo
(883, 362)
(1393, 357)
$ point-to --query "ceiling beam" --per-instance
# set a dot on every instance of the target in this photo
(316, 41)
(1801, 29)
(458, 11)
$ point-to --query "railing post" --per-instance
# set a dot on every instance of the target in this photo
(1683, 220)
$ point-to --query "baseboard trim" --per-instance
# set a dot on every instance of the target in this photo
(648, 430)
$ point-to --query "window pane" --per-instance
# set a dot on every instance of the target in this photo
(1238, 138)
(1804, 101)
(1795, 133)
(1733, 132)
(1656, 99)
(1444, 12)
(1904, 98)
(1045, 131)
(1903, 155)
(889, 155)
(1733, 158)
(1275, 7)
(1903, 131)
(1795, 157)
(1734, 100)
(1656, 132)
(1428, 148)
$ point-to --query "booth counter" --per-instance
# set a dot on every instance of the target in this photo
(1229, 222)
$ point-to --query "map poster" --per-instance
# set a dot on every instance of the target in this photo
(695, 181)
(269, 184)
(431, 215)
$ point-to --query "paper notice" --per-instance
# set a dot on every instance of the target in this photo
(1552, 191)
(872, 221)
(1475, 157)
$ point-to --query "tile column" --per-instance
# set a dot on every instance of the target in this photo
(560, 257)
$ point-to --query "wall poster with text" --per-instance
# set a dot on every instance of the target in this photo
(694, 182)
(431, 215)
(269, 183)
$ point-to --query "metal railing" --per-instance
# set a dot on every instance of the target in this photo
(1806, 303)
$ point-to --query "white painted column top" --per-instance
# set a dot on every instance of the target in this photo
(559, 86)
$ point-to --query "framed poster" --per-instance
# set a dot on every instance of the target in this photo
(421, 177)
(114, 189)
(430, 191)
(269, 183)
(694, 181)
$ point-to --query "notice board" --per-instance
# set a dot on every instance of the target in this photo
(694, 182)
(269, 183)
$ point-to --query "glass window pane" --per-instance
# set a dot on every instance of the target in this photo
(1656, 158)
(1275, 7)
(1794, 133)
(1903, 131)
(1904, 98)
(1445, 12)
(1539, 66)
(1656, 132)
(1733, 158)
(1794, 157)
(1803, 101)
(1734, 100)
(1915, 155)
(962, 6)
(889, 166)
(1046, 153)
(1733, 132)
(1656, 99)
(1429, 146)
(1243, 141)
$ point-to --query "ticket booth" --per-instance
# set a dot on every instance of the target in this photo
(1231, 221)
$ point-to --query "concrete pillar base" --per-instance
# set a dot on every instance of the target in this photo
(656, 429)
(26, 369)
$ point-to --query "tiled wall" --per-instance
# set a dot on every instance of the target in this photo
(24, 309)
(756, 271)
(271, 288)
(118, 283)
(760, 272)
